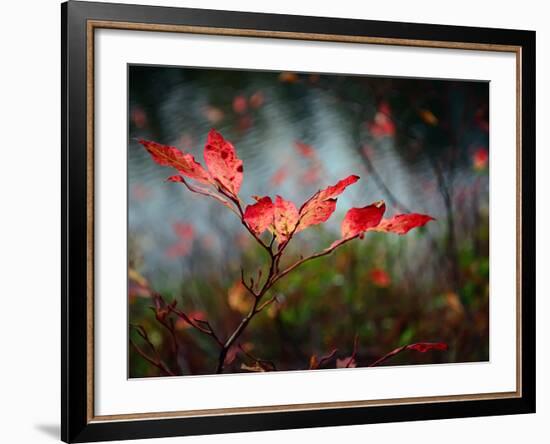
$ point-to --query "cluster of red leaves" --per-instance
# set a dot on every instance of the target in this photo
(224, 173)
(222, 179)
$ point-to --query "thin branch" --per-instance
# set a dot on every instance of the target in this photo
(196, 325)
(250, 287)
(208, 193)
(156, 362)
(325, 252)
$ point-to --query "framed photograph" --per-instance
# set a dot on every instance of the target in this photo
(276, 221)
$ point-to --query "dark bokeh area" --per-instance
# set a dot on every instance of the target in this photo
(420, 145)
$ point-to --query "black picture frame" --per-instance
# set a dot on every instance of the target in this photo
(76, 423)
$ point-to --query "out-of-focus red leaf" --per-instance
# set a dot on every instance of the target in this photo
(178, 250)
(259, 216)
(279, 176)
(304, 149)
(312, 174)
(140, 192)
(383, 124)
(139, 117)
(240, 104)
(403, 223)
(170, 156)
(322, 204)
(245, 123)
(380, 278)
(183, 246)
(285, 218)
(222, 162)
(423, 347)
(257, 99)
(359, 220)
(184, 230)
(480, 159)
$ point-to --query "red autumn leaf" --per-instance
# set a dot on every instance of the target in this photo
(423, 347)
(380, 278)
(285, 218)
(359, 220)
(336, 190)
(170, 156)
(403, 223)
(259, 216)
(222, 162)
(317, 211)
(322, 204)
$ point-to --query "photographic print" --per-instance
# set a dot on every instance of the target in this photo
(282, 221)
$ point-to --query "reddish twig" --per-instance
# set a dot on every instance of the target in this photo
(420, 346)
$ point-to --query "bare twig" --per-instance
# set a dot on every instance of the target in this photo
(156, 361)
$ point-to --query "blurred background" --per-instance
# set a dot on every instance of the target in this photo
(419, 144)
